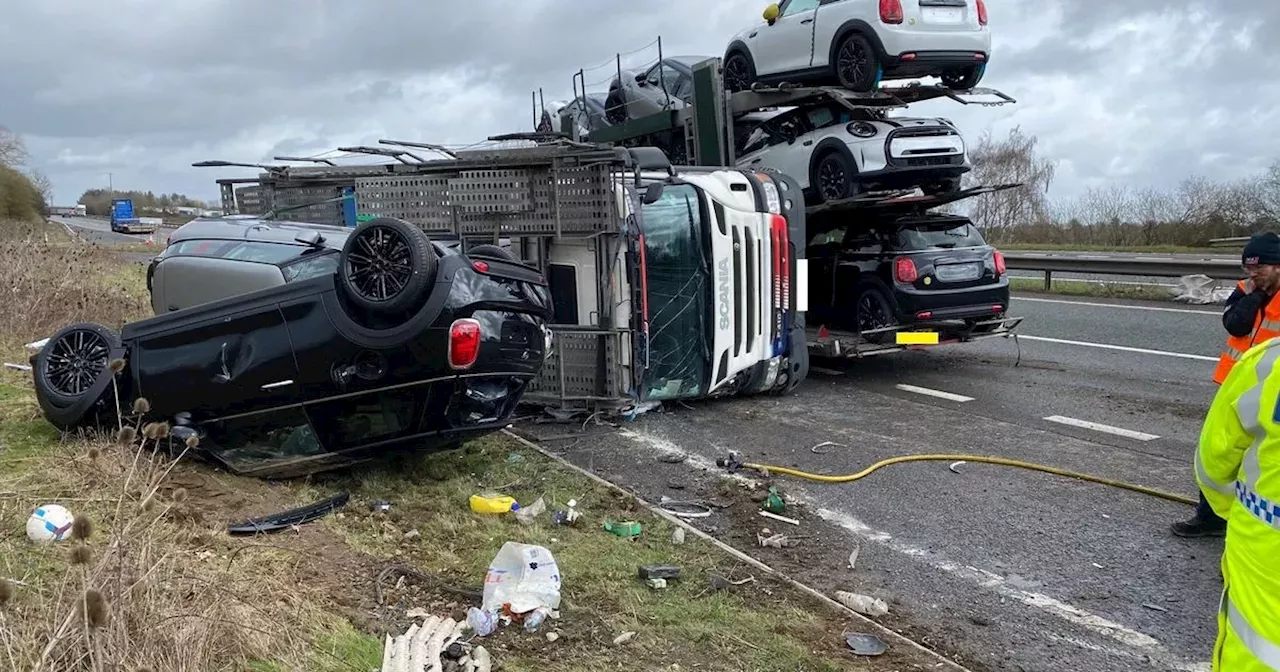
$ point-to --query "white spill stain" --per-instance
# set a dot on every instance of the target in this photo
(1146, 645)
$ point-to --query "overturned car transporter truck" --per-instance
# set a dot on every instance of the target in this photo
(667, 282)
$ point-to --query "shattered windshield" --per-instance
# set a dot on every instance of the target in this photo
(679, 293)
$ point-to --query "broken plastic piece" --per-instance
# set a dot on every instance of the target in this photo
(287, 519)
(784, 519)
(954, 466)
(865, 645)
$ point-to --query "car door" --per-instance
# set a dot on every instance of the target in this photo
(823, 252)
(650, 96)
(831, 15)
(788, 148)
(787, 45)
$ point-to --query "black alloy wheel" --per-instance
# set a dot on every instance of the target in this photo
(738, 73)
(76, 360)
(615, 107)
(834, 178)
(856, 65)
(380, 265)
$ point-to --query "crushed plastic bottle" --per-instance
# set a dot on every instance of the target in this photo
(863, 604)
(493, 504)
(527, 514)
(483, 623)
(535, 618)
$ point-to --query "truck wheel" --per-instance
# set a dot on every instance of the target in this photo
(856, 64)
(739, 72)
(74, 361)
(492, 252)
(615, 107)
(387, 266)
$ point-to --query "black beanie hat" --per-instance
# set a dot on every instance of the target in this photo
(1262, 248)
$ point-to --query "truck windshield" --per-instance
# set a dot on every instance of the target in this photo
(678, 275)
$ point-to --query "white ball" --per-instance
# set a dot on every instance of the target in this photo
(51, 522)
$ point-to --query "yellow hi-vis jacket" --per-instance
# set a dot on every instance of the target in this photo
(1238, 469)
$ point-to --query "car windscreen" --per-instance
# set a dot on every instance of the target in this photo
(237, 250)
(932, 234)
(678, 276)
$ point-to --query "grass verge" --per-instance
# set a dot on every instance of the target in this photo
(1092, 289)
(1167, 249)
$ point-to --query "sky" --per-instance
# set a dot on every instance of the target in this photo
(1139, 92)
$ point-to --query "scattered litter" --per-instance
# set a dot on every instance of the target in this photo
(1201, 290)
(527, 514)
(865, 645)
(288, 519)
(51, 522)
(482, 622)
(1096, 565)
(36, 345)
(521, 578)
(426, 646)
(677, 536)
(863, 604)
(567, 516)
(629, 528)
(640, 409)
(412, 534)
(775, 516)
(515, 458)
(955, 466)
(625, 637)
(417, 612)
(380, 506)
(656, 584)
(534, 619)
(673, 457)
(1155, 607)
(1106, 516)
(493, 503)
(815, 450)
(17, 367)
(481, 661)
(551, 636)
(684, 509)
(853, 557)
(647, 572)
(721, 582)
(773, 502)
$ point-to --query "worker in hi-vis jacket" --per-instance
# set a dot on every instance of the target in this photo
(1251, 317)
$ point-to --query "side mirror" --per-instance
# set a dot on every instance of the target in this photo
(312, 238)
(652, 193)
(640, 78)
(771, 13)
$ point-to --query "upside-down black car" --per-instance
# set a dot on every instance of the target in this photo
(406, 345)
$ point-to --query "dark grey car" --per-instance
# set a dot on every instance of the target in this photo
(667, 85)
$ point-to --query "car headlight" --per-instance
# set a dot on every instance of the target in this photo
(861, 129)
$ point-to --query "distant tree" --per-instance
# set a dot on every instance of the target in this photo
(98, 201)
(23, 194)
(1012, 160)
(13, 151)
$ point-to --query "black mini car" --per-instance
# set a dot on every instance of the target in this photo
(897, 265)
(399, 344)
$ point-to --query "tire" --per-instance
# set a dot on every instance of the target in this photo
(872, 310)
(615, 107)
(963, 80)
(739, 72)
(856, 65)
(492, 252)
(387, 267)
(74, 361)
(832, 178)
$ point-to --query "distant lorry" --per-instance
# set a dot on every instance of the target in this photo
(124, 220)
(77, 210)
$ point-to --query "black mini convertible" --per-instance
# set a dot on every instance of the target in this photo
(396, 342)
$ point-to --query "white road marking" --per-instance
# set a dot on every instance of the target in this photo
(1120, 305)
(1099, 427)
(1146, 644)
(1121, 348)
(933, 393)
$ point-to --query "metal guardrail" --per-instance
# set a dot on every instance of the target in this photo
(1152, 265)
(1228, 242)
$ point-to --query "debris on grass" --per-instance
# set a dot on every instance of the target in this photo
(863, 604)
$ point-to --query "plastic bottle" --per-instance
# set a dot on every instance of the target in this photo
(535, 618)
(493, 504)
(863, 604)
(482, 622)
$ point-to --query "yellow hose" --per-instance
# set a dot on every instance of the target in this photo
(848, 478)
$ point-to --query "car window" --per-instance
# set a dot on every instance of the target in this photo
(943, 234)
(324, 263)
(664, 72)
(824, 116)
(684, 89)
(797, 6)
(828, 237)
(237, 250)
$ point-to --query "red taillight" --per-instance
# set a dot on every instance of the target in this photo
(904, 270)
(464, 343)
(982, 12)
(907, 57)
(999, 259)
(924, 315)
(480, 266)
(997, 308)
(781, 244)
(891, 11)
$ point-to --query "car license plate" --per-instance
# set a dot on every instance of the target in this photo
(942, 14)
(958, 272)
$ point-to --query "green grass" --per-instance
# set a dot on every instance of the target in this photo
(1092, 289)
(1168, 249)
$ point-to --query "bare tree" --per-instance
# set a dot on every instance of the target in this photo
(1012, 160)
(13, 151)
(42, 184)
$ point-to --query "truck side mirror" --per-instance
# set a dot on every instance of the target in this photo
(652, 193)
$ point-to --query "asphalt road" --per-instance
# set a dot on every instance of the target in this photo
(98, 230)
(1003, 569)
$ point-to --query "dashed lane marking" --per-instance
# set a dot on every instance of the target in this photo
(933, 393)
(1099, 427)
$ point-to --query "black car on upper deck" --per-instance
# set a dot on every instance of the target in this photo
(300, 355)
(896, 265)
